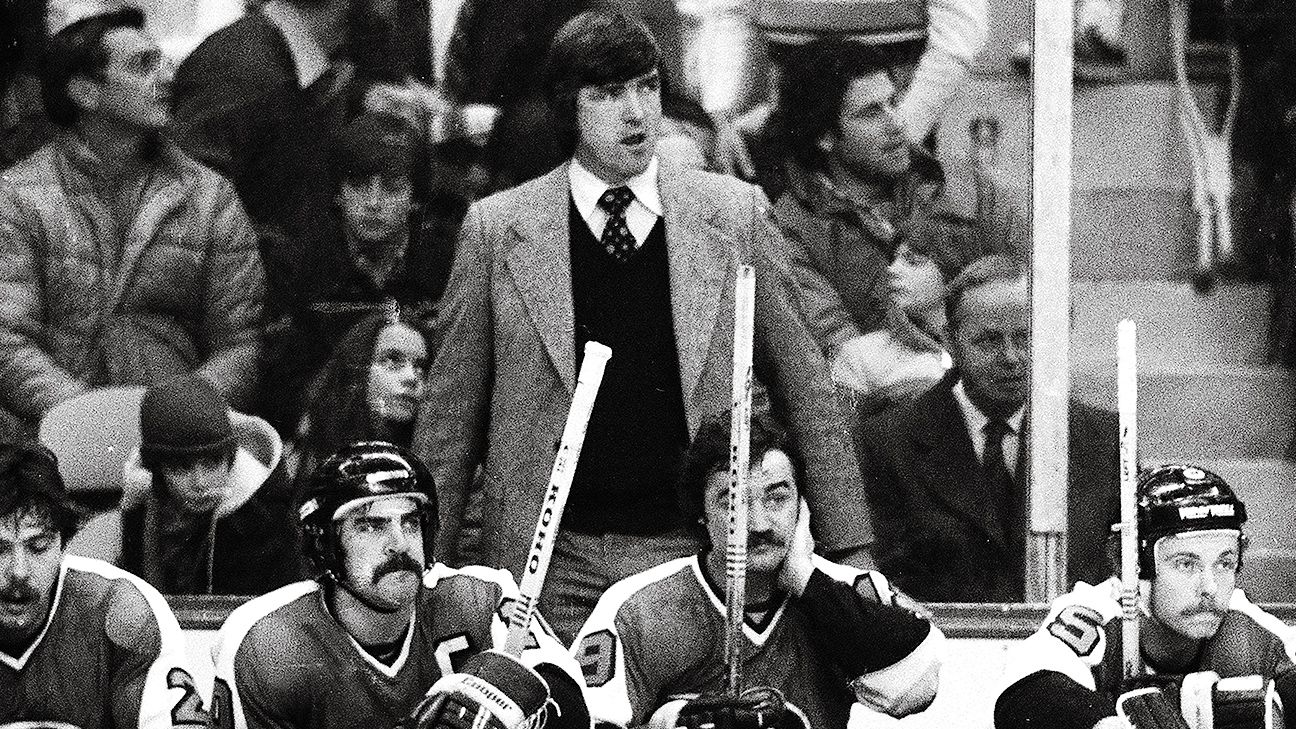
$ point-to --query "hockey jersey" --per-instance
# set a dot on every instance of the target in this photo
(1081, 640)
(660, 633)
(110, 656)
(283, 661)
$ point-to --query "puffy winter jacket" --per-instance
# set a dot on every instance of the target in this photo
(86, 301)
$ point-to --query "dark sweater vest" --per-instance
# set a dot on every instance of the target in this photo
(625, 480)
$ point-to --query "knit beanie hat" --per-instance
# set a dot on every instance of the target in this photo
(183, 416)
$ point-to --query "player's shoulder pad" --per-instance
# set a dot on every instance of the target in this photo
(1285, 633)
(246, 618)
(485, 586)
(136, 616)
(1101, 598)
(624, 590)
(478, 573)
(871, 585)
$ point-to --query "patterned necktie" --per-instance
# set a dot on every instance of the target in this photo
(617, 240)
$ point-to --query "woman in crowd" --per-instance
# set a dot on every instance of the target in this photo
(391, 240)
(907, 356)
(370, 388)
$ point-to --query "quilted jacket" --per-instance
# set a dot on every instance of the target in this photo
(89, 301)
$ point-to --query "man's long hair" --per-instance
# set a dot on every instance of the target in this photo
(813, 86)
(594, 48)
(31, 486)
(709, 454)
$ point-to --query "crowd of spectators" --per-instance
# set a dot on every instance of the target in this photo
(349, 277)
(291, 228)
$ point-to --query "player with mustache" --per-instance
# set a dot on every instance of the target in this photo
(83, 644)
(1198, 632)
(831, 640)
(379, 626)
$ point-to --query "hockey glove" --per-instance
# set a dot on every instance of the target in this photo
(1150, 708)
(759, 707)
(1247, 702)
(493, 691)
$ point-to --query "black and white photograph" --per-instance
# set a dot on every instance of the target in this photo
(647, 364)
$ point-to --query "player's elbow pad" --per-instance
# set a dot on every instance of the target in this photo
(908, 685)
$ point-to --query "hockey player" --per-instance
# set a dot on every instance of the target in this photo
(823, 635)
(82, 643)
(364, 641)
(1197, 631)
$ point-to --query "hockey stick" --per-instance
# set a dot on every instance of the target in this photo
(555, 498)
(739, 459)
(1127, 406)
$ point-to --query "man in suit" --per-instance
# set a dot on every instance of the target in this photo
(616, 248)
(946, 475)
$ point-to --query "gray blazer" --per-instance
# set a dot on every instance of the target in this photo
(505, 370)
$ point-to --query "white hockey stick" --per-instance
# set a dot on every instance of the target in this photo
(556, 493)
(739, 461)
(1127, 407)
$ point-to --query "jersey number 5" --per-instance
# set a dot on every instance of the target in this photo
(1078, 627)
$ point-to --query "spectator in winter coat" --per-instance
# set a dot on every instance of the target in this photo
(122, 260)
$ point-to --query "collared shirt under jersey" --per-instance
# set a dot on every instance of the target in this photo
(976, 424)
(309, 57)
(642, 213)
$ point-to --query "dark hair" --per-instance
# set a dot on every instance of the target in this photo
(950, 242)
(594, 48)
(31, 485)
(78, 50)
(338, 407)
(158, 464)
(983, 271)
(372, 144)
(708, 453)
(813, 86)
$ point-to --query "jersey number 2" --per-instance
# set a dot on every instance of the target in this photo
(188, 711)
(1079, 627)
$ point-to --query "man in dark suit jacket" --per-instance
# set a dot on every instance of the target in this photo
(949, 513)
(543, 268)
(259, 101)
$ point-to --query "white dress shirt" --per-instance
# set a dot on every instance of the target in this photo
(976, 422)
(641, 214)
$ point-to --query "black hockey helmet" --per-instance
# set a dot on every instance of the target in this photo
(1177, 498)
(361, 472)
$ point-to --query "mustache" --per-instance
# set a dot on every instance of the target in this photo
(763, 539)
(1204, 608)
(19, 592)
(397, 563)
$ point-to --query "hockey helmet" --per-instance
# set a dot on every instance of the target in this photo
(1177, 498)
(357, 474)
